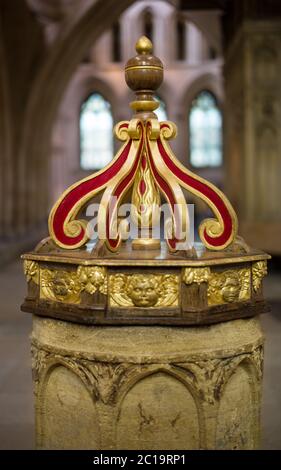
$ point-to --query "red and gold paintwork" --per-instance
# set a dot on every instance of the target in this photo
(146, 160)
(146, 164)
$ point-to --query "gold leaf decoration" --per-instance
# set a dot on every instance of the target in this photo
(196, 275)
(144, 290)
(259, 270)
(59, 286)
(31, 271)
(145, 195)
(229, 286)
(93, 279)
(66, 286)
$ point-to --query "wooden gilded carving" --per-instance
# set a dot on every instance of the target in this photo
(31, 271)
(259, 270)
(229, 286)
(92, 279)
(138, 254)
(60, 286)
(142, 290)
(67, 286)
(146, 164)
(196, 275)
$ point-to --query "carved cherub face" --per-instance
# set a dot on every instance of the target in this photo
(231, 289)
(60, 286)
(142, 290)
(96, 277)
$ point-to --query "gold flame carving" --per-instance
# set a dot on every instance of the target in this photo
(145, 202)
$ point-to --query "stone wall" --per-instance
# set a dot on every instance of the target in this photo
(253, 138)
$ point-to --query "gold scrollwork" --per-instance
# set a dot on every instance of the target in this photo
(196, 275)
(259, 270)
(31, 271)
(229, 286)
(92, 279)
(144, 291)
(67, 286)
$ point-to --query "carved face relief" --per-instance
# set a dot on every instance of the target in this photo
(59, 286)
(229, 286)
(142, 290)
(231, 289)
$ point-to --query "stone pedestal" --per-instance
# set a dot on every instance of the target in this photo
(136, 387)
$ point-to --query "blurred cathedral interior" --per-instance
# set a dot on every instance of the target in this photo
(62, 90)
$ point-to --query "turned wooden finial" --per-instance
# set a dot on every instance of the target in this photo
(144, 75)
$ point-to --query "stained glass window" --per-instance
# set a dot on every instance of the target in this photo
(205, 130)
(161, 110)
(96, 139)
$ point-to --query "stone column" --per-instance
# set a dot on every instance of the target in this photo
(253, 116)
(147, 387)
(193, 44)
(6, 162)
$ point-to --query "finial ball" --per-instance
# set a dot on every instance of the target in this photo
(144, 45)
(144, 72)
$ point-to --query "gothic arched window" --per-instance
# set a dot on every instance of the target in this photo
(161, 111)
(205, 131)
(181, 45)
(148, 24)
(96, 139)
(116, 42)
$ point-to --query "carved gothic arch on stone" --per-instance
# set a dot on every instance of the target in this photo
(151, 370)
(52, 363)
(252, 366)
(49, 365)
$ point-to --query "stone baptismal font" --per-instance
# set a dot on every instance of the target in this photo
(142, 338)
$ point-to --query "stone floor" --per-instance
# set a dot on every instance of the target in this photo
(16, 401)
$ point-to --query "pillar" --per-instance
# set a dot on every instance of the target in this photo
(252, 117)
(147, 387)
